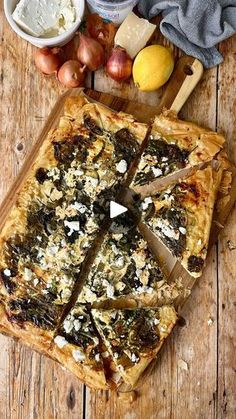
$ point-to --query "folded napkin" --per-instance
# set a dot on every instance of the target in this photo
(195, 26)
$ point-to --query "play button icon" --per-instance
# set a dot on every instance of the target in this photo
(116, 209)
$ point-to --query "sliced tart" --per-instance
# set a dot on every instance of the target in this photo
(134, 337)
(125, 272)
(174, 145)
(181, 217)
(77, 346)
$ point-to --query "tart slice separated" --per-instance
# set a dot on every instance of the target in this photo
(181, 217)
(77, 346)
(134, 337)
(172, 146)
(125, 273)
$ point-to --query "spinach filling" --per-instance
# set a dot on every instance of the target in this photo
(195, 264)
(34, 310)
(83, 337)
(133, 330)
(126, 146)
(173, 222)
(169, 157)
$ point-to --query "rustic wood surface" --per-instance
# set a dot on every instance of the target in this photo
(204, 385)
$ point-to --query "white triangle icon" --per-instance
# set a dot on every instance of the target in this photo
(116, 209)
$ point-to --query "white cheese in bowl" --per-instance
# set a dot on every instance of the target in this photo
(45, 18)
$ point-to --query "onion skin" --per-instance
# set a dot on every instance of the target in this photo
(90, 53)
(71, 74)
(119, 65)
(47, 60)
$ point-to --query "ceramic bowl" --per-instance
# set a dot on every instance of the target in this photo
(60, 40)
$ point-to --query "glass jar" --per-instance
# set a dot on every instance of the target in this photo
(112, 10)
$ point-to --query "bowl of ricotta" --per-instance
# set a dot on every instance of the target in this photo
(45, 23)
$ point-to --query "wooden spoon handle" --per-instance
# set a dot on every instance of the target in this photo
(187, 73)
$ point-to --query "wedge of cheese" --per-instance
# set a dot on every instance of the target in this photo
(134, 34)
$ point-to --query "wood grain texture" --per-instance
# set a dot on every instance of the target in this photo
(227, 245)
(32, 386)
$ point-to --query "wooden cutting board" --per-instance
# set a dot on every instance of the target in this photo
(187, 74)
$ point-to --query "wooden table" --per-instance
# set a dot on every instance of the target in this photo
(32, 386)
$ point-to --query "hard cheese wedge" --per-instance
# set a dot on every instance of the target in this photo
(134, 34)
(134, 337)
(181, 216)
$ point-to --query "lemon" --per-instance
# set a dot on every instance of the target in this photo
(152, 67)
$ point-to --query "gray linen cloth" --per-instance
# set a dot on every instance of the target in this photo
(195, 26)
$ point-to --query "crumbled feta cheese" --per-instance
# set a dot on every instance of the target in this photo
(90, 295)
(156, 321)
(28, 274)
(164, 159)
(97, 357)
(156, 171)
(105, 354)
(55, 195)
(68, 325)
(119, 262)
(79, 207)
(78, 172)
(93, 181)
(122, 166)
(139, 258)
(77, 325)
(54, 173)
(60, 341)
(95, 341)
(78, 355)
(65, 294)
(116, 355)
(73, 226)
(167, 230)
(70, 178)
(52, 250)
(63, 243)
(7, 272)
(169, 198)
(134, 358)
(182, 230)
(146, 203)
(117, 237)
(120, 286)
(110, 291)
(36, 281)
